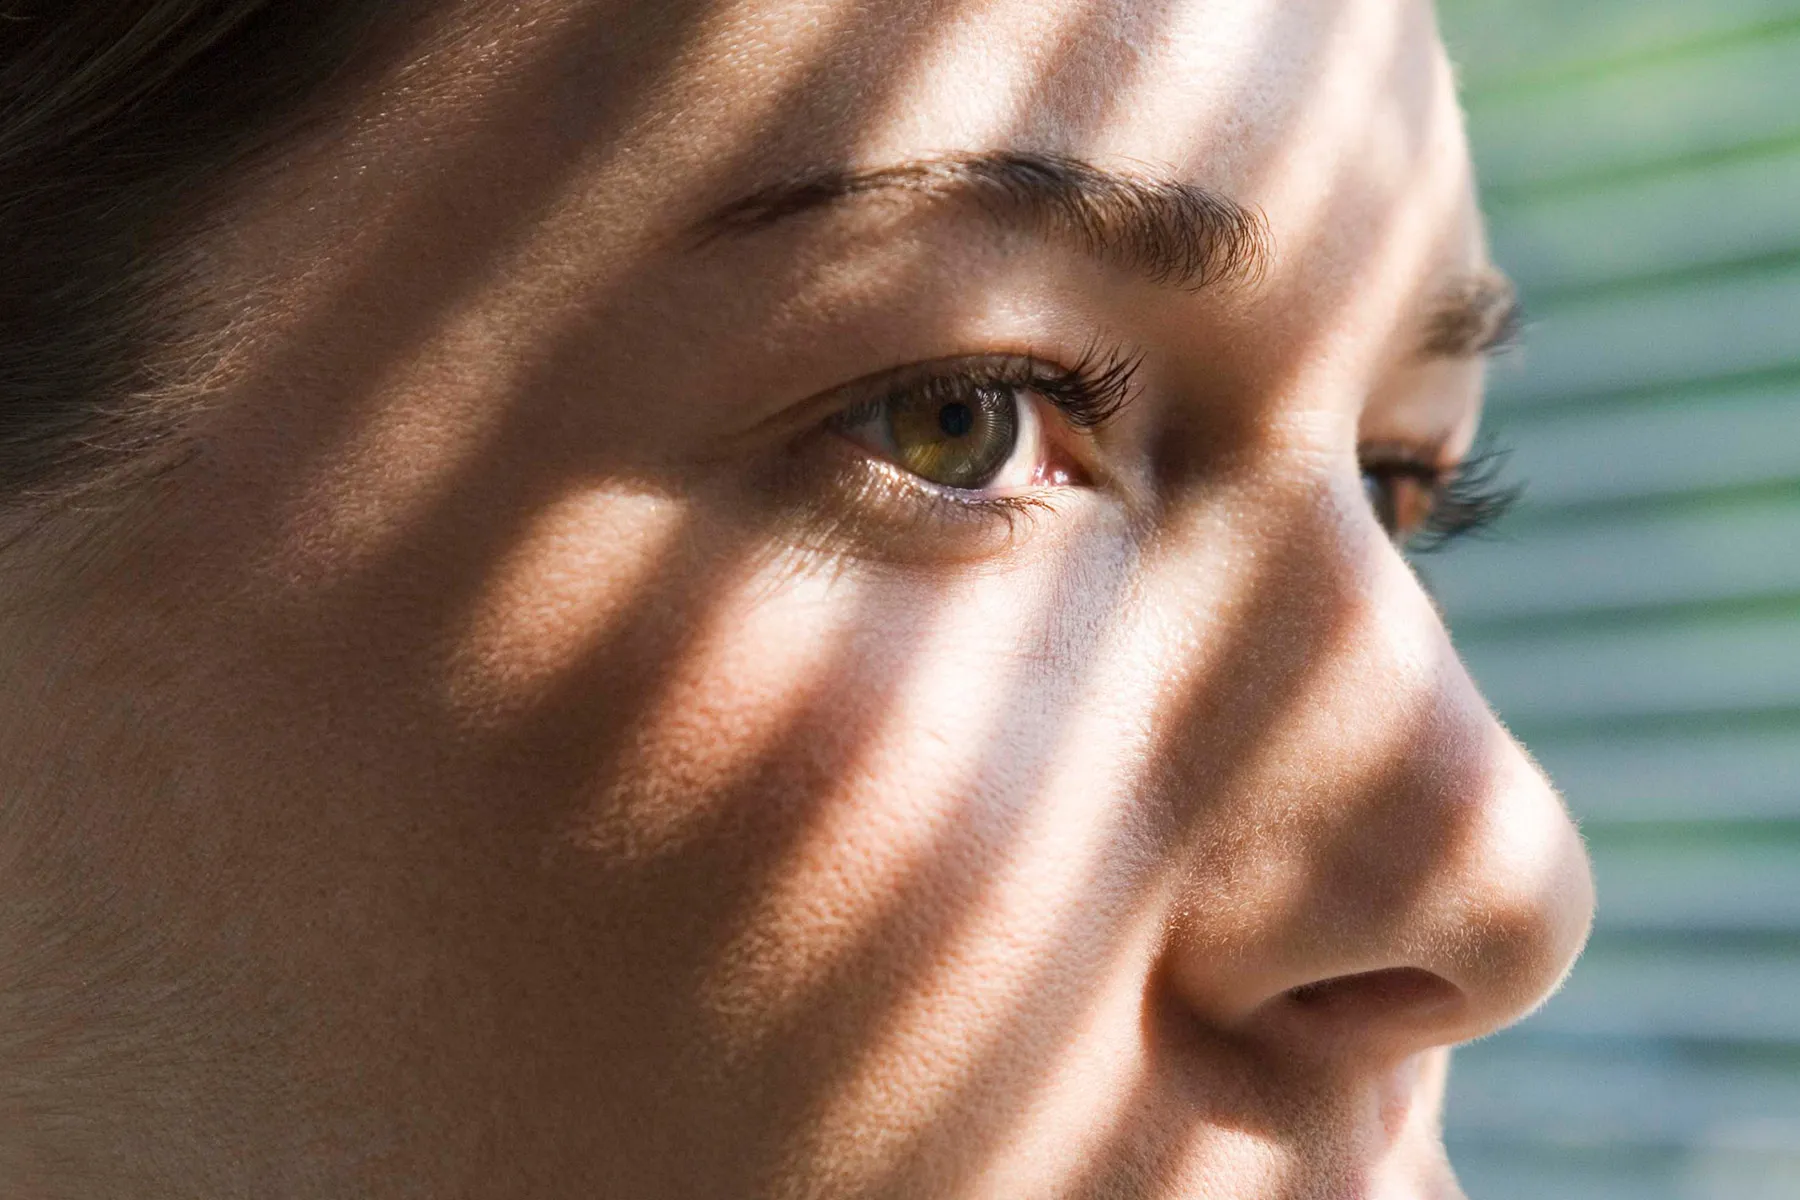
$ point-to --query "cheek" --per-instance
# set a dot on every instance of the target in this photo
(855, 776)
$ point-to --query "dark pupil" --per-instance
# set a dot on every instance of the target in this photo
(957, 438)
(956, 420)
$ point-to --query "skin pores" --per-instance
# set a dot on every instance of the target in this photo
(525, 748)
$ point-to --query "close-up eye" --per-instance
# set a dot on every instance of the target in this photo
(995, 427)
(1425, 507)
(956, 433)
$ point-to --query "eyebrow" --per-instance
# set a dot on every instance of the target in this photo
(1477, 315)
(1174, 233)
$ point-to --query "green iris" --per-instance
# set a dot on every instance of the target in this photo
(954, 437)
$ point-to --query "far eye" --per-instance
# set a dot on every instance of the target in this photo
(1403, 496)
(956, 433)
(1425, 506)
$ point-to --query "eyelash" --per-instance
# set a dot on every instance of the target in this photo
(1468, 499)
(1089, 393)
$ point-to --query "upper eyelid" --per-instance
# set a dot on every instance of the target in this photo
(1009, 365)
(1427, 458)
(1096, 387)
(799, 417)
(1110, 376)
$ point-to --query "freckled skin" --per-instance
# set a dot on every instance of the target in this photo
(507, 759)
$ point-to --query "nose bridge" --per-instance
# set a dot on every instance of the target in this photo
(1370, 820)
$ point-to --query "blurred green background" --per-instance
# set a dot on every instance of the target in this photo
(1637, 621)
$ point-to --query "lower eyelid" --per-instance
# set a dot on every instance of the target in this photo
(838, 499)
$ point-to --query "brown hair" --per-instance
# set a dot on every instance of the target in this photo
(117, 121)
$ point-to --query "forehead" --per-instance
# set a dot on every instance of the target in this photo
(1271, 100)
(549, 155)
(1336, 118)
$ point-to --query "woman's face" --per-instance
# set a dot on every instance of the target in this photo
(790, 598)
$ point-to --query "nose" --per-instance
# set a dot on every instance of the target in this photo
(1372, 866)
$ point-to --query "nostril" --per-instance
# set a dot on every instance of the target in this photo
(1396, 989)
(1395, 1008)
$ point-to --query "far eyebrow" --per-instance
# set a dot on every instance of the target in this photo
(1478, 314)
(1174, 233)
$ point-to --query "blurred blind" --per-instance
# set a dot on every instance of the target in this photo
(1637, 621)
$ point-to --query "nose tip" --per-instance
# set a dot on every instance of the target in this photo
(1527, 909)
(1382, 869)
(1443, 908)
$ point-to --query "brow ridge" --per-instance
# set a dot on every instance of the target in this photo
(1479, 314)
(1174, 233)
